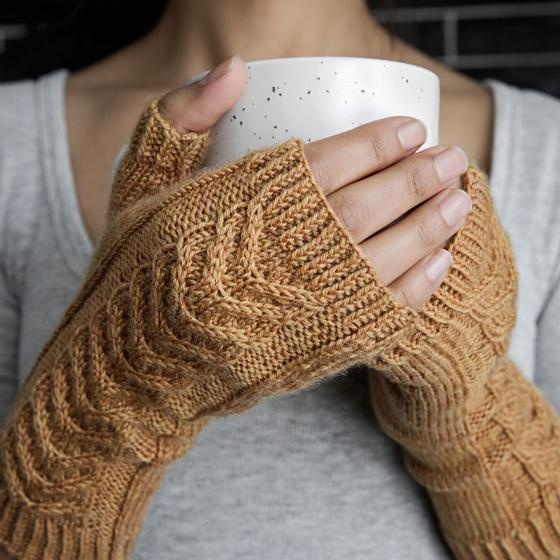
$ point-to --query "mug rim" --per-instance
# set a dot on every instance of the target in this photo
(284, 60)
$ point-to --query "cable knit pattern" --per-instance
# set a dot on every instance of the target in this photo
(208, 292)
(475, 432)
(213, 289)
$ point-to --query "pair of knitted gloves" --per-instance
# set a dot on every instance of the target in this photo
(215, 288)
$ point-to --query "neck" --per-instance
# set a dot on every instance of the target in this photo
(195, 35)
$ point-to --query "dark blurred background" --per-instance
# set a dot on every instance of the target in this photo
(516, 41)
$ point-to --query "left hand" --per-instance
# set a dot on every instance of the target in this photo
(462, 331)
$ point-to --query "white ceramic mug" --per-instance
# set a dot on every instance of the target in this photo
(319, 96)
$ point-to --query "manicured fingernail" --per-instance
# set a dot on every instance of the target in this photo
(411, 134)
(437, 265)
(219, 72)
(455, 206)
(450, 163)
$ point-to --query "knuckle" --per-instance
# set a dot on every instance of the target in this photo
(417, 183)
(349, 214)
(318, 166)
(407, 295)
(377, 146)
(426, 234)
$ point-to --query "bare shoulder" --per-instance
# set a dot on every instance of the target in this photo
(467, 120)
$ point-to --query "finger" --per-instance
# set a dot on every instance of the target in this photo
(171, 138)
(367, 206)
(395, 250)
(351, 155)
(417, 285)
(199, 105)
(454, 184)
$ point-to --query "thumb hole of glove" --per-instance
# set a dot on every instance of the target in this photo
(171, 137)
(198, 106)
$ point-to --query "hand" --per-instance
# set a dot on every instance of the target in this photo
(370, 180)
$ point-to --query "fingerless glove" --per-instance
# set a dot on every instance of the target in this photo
(209, 291)
(480, 437)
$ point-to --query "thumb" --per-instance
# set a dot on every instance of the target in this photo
(171, 138)
(199, 105)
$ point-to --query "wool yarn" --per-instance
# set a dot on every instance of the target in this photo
(213, 289)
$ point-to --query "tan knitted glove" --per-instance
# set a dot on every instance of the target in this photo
(211, 289)
(479, 436)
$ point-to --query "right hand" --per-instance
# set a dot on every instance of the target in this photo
(370, 180)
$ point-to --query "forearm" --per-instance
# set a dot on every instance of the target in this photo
(496, 487)
(84, 448)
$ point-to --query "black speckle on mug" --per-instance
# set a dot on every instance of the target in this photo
(280, 94)
(273, 137)
(345, 101)
(327, 91)
(407, 80)
(254, 133)
(300, 98)
(260, 137)
(243, 108)
(275, 126)
(234, 117)
(286, 130)
(308, 92)
(335, 72)
(273, 89)
(265, 115)
(253, 103)
(240, 123)
(322, 61)
(363, 90)
(317, 77)
(309, 139)
(268, 98)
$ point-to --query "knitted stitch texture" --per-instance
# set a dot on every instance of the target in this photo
(480, 437)
(213, 289)
(208, 292)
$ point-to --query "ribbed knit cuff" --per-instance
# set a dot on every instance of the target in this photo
(104, 528)
(538, 538)
(157, 156)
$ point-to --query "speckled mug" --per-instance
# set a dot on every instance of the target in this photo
(315, 97)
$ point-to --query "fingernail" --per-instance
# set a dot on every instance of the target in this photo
(455, 206)
(219, 72)
(437, 265)
(451, 163)
(411, 134)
